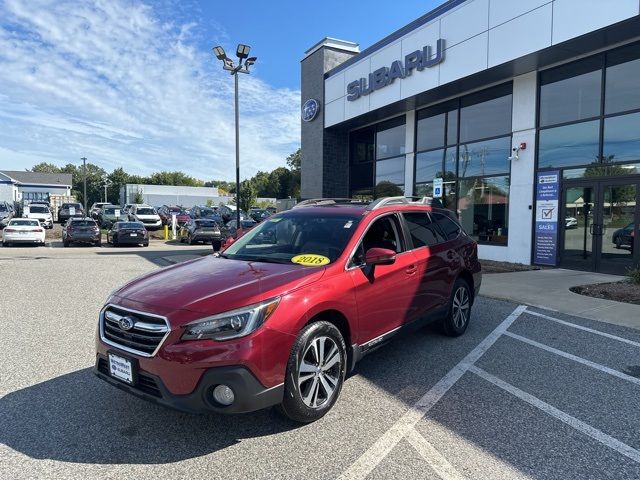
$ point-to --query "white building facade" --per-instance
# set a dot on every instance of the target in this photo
(522, 117)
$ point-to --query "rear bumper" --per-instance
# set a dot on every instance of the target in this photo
(10, 238)
(132, 240)
(250, 394)
(84, 238)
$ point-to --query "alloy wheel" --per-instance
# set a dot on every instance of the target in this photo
(461, 307)
(319, 371)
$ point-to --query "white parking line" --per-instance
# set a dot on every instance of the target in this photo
(575, 358)
(573, 422)
(383, 446)
(433, 457)
(586, 329)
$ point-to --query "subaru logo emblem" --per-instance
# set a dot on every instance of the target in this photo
(310, 109)
(125, 323)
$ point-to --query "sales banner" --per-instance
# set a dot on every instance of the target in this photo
(546, 237)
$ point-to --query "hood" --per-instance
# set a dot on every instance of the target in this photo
(213, 285)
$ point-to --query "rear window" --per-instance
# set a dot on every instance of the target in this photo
(84, 223)
(38, 209)
(3, 208)
(247, 224)
(130, 225)
(206, 223)
(71, 205)
(145, 211)
(24, 223)
(110, 211)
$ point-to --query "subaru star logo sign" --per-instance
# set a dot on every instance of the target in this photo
(125, 323)
(310, 109)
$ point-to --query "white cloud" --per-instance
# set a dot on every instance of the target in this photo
(109, 80)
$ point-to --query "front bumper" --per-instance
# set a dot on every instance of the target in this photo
(250, 394)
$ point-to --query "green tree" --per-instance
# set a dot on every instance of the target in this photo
(387, 189)
(247, 195)
(118, 178)
(45, 167)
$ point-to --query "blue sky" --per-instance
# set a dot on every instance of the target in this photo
(134, 84)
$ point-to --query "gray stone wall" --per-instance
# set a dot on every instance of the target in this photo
(325, 159)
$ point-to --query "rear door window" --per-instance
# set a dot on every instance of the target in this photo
(447, 225)
(422, 230)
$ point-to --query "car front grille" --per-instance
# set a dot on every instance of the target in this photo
(132, 331)
(145, 383)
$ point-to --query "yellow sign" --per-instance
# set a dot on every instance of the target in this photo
(310, 260)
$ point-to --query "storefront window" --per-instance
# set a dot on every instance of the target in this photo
(390, 139)
(390, 170)
(483, 208)
(430, 132)
(429, 165)
(575, 144)
(486, 119)
(602, 170)
(484, 158)
(622, 138)
(623, 71)
(571, 92)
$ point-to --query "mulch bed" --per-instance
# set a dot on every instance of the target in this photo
(490, 266)
(624, 291)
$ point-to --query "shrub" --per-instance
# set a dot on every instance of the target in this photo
(634, 275)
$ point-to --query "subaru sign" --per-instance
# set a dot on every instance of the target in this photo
(418, 60)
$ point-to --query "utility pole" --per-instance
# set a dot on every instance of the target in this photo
(84, 170)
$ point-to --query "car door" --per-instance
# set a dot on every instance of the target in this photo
(384, 293)
(430, 250)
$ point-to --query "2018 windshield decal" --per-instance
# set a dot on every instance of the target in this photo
(380, 78)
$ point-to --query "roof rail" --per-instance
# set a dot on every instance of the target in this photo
(319, 202)
(386, 201)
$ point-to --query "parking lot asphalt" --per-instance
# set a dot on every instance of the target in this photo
(525, 393)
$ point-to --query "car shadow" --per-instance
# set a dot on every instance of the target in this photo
(78, 418)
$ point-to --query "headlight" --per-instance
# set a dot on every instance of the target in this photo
(234, 324)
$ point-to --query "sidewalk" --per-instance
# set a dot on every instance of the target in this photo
(550, 289)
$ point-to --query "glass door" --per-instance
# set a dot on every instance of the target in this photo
(600, 226)
(577, 237)
(618, 249)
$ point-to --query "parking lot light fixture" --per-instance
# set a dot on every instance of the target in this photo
(244, 62)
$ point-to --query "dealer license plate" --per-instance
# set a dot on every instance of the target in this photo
(133, 234)
(120, 368)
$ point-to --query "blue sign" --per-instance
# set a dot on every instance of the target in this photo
(546, 235)
(310, 109)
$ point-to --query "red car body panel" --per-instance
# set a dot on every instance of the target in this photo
(418, 281)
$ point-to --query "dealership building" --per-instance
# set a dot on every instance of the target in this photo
(522, 116)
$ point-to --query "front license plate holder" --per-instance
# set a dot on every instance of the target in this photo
(122, 368)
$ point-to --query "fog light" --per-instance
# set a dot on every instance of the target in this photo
(223, 395)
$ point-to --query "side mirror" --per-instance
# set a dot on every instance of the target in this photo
(380, 256)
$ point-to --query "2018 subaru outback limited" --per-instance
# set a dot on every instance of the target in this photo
(283, 313)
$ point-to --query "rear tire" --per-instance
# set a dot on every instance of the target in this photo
(315, 373)
(618, 242)
(459, 314)
(190, 240)
(65, 244)
(217, 244)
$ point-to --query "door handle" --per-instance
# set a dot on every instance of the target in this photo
(411, 269)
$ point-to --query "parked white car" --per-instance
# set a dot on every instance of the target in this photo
(23, 230)
(147, 215)
(40, 213)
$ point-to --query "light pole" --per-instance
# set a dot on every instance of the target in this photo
(84, 172)
(244, 62)
(107, 183)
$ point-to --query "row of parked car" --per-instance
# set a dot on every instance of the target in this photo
(131, 224)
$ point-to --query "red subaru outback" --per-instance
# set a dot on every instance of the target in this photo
(281, 315)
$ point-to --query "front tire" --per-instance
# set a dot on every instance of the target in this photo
(315, 373)
(457, 319)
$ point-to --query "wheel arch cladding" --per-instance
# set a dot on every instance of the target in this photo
(467, 277)
(338, 320)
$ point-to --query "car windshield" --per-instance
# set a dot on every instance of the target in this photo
(175, 210)
(38, 209)
(145, 211)
(130, 225)
(71, 205)
(110, 210)
(247, 223)
(281, 238)
(24, 223)
(207, 212)
(84, 223)
(3, 208)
